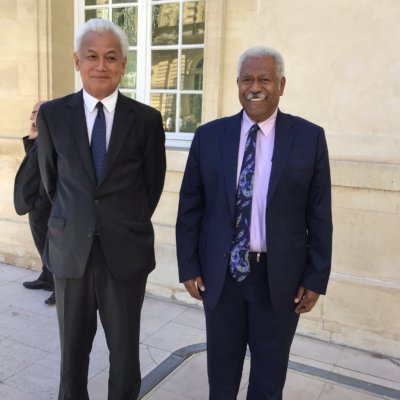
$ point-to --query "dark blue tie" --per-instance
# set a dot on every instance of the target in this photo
(98, 145)
(239, 262)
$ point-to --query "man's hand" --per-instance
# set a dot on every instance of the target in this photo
(33, 133)
(305, 300)
(194, 287)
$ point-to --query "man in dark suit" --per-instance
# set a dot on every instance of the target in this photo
(30, 197)
(102, 161)
(254, 230)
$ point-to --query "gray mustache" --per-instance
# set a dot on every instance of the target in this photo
(258, 95)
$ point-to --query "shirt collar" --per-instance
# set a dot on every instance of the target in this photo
(265, 126)
(109, 102)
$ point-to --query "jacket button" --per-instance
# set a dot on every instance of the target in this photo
(226, 255)
(96, 202)
(90, 235)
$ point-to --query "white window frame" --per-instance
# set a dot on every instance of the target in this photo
(144, 48)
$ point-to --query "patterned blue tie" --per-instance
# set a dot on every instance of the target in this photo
(239, 262)
(98, 146)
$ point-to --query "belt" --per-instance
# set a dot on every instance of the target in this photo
(257, 258)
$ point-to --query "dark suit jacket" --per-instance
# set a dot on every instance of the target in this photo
(29, 192)
(119, 209)
(298, 215)
(30, 195)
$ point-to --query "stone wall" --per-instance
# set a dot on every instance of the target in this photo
(343, 73)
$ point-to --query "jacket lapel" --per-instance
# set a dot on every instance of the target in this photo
(284, 136)
(77, 122)
(123, 119)
(230, 139)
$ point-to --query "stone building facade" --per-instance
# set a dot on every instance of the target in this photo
(343, 73)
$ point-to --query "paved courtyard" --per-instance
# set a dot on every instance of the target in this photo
(172, 355)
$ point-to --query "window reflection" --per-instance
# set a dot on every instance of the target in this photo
(132, 95)
(95, 2)
(164, 71)
(129, 79)
(192, 69)
(126, 18)
(193, 22)
(102, 2)
(101, 13)
(190, 116)
(165, 24)
(166, 104)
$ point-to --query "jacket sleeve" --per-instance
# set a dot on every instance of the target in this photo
(46, 154)
(155, 163)
(190, 214)
(319, 222)
(27, 179)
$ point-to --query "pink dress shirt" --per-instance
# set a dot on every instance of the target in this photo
(264, 151)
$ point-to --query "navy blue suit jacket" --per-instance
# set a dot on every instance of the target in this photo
(298, 215)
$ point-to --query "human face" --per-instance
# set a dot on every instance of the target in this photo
(33, 130)
(100, 63)
(259, 87)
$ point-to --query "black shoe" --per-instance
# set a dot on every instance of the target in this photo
(51, 300)
(39, 284)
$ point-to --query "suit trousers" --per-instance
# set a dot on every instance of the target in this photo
(244, 316)
(119, 305)
(38, 218)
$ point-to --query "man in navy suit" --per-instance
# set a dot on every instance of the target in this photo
(254, 230)
(102, 161)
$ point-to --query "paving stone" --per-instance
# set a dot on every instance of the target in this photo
(30, 359)
(11, 273)
(40, 378)
(175, 336)
(98, 386)
(370, 364)
(316, 350)
(336, 392)
(192, 317)
(43, 334)
(14, 319)
(150, 358)
(302, 387)
(16, 357)
(10, 393)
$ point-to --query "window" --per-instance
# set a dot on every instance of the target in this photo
(165, 60)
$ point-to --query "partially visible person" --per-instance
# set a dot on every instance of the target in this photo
(254, 230)
(31, 198)
(102, 161)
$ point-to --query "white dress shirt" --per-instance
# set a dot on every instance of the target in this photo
(109, 104)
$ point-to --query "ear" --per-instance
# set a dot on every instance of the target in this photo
(124, 62)
(76, 61)
(282, 83)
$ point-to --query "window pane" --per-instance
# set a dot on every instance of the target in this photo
(164, 69)
(193, 22)
(190, 117)
(127, 19)
(165, 24)
(192, 69)
(129, 79)
(132, 95)
(95, 2)
(99, 13)
(123, 1)
(166, 104)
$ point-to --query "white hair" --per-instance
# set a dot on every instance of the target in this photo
(99, 26)
(262, 52)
